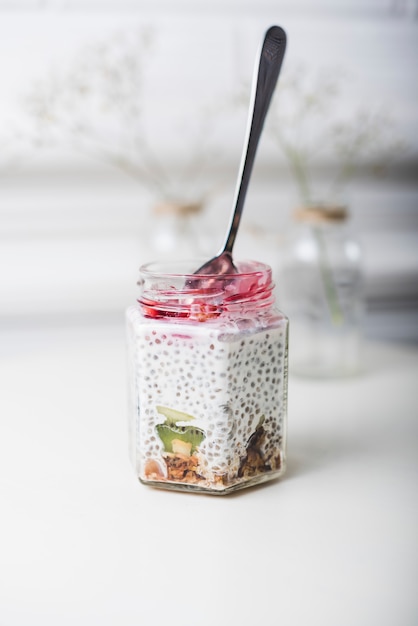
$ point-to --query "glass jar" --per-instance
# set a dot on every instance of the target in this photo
(321, 288)
(208, 378)
(175, 230)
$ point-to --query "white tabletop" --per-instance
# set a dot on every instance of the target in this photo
(82, 542)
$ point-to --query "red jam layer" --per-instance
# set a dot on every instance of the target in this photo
(250, 290)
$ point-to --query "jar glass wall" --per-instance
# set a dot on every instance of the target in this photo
(208, 379)
(321, 284)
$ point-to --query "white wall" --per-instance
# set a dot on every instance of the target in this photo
(74, 228)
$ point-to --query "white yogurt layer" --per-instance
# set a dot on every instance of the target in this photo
(224, 395)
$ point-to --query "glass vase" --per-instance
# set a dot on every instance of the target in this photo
(321, 286)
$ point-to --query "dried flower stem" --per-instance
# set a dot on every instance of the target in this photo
(330, 288)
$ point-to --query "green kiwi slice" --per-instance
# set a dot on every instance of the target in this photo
(172, 416)
(189, 434)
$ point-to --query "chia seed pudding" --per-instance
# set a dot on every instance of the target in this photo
(208, 380)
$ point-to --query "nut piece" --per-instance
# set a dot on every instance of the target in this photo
(180, 447)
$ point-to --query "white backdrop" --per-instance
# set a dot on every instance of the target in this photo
(74, 227)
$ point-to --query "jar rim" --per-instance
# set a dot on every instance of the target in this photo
(178, 292)
(184, 268)
(321, 213)
(177, 207)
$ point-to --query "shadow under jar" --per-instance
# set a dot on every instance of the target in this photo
(208, 378)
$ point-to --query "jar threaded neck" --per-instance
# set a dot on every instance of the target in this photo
(166, 291)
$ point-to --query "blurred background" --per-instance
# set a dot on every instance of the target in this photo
(121, 130)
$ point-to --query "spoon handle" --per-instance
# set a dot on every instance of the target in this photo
(270, 62)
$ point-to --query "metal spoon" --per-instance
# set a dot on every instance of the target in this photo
(264, 83)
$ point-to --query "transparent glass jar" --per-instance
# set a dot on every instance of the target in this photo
(175, 230)
(208, 378)
(321, 287)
